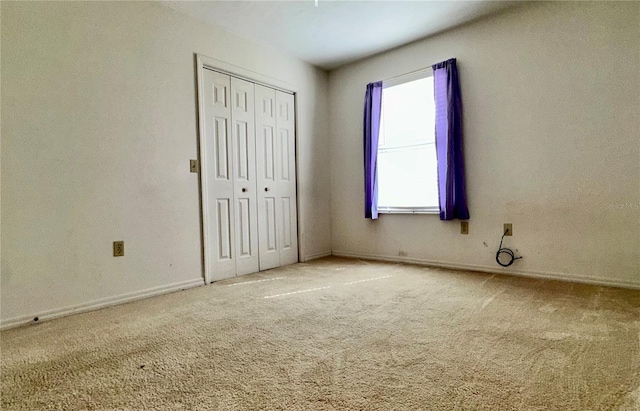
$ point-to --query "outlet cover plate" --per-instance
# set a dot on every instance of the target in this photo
(118, 248)
(464, 227)
(508, 228)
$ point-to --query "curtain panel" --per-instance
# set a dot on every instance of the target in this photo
(372, 109)
(449, 151)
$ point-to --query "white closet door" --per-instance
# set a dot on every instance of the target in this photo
(244, 171)
(218, 153)
(286, 175)
(267, 161)
(249, 181)
(275, 159)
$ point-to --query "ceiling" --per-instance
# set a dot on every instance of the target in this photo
(336, 32)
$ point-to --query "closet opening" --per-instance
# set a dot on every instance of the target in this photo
(248, 181)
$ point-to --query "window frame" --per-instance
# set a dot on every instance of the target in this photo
(396, 81)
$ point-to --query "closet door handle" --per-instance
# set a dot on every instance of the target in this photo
(244, 190)
(266, 189)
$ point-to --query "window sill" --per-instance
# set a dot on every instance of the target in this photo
(399, 210)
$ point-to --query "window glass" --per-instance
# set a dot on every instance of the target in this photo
(407, 167)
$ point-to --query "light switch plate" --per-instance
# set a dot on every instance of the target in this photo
(193, 164)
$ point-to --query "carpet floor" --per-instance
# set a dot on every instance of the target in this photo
(339, 334)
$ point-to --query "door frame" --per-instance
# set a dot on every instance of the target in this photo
(204, 62)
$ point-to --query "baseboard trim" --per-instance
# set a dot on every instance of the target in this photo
(98, 304)
(547, 275)
(316, 256)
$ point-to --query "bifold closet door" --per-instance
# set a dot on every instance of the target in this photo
(220, 234)
(230, 183)
(275, 159)
(244, 167)
(267, 182)
(286, 142)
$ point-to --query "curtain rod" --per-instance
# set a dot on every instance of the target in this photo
(409, 74)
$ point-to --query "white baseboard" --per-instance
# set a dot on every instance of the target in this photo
(101, 303)
(315, 256)
(547, 275)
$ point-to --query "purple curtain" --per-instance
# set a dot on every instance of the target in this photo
(372, 109)
(451, 180)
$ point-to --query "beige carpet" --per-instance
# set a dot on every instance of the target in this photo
(339, 334)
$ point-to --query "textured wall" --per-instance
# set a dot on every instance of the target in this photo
(99, 121)
(551, 95)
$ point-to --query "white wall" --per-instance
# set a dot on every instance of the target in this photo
(98, 125)
(551, 95)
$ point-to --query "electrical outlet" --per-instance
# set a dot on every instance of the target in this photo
(193, 164)
(118, 248)
(464, 227)
(508, 228)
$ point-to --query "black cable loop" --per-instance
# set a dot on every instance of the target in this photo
(508, 251)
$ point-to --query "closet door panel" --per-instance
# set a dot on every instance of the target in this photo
(286, 175)
(267, 172)
(244, 172)
(218, 153)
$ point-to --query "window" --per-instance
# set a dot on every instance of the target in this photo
(407, 167)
